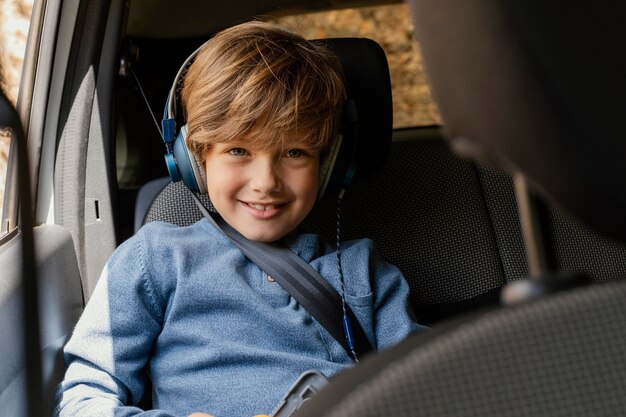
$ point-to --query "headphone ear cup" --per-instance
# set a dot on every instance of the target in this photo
(337, 166)
(189, 168)
(327, 166)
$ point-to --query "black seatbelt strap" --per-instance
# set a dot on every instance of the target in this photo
(302, 282)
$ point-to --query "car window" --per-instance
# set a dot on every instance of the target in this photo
(5, 141)
(391, 27)
(14, 23)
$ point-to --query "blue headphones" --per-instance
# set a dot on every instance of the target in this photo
(337, 166)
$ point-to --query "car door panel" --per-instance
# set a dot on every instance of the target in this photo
(60, 301)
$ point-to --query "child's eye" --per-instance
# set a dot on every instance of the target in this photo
(237, 152)
(296, 153)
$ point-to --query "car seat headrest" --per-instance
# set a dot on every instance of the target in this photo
(366, 73)
(538, 88)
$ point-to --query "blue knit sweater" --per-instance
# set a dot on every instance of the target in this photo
(212, 331)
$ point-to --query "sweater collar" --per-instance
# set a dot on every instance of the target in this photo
(308, 246)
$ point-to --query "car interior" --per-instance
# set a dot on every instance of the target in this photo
(503, 220)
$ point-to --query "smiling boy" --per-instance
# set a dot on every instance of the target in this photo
(183, 305)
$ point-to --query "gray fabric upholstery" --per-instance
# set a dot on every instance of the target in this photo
(572, 245)
(499, 195)
(175, 205)
(559, 356)
(425, 212)
(579, 248)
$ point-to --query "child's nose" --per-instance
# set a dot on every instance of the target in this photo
(264, 176)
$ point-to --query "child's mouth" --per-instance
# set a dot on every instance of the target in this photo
(263, 211)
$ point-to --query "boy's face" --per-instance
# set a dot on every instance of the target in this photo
(263, 193)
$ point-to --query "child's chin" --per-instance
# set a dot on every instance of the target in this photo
(264, 236)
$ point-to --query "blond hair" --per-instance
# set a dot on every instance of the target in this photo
(266, 84)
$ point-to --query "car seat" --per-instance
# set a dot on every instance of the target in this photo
(403, 200)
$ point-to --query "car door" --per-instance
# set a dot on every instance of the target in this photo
(41, 291)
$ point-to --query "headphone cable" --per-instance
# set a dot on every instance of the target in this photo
(347, 326)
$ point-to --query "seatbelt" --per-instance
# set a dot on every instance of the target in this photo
(302, 282)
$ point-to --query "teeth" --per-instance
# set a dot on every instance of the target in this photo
(263, 207)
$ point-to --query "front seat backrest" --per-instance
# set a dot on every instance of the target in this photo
(533, 86)
(559, 356)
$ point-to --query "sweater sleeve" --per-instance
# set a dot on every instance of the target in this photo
(111, 344)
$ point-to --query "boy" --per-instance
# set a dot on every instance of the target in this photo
(212, 330)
